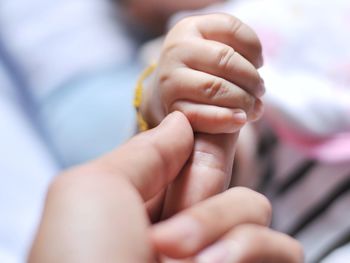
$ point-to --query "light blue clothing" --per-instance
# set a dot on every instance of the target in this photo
(91, 115)
(79, 66)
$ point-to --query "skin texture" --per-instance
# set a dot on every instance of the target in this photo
(208, 71)
(97, 212)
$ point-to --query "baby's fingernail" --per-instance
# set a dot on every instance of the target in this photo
(240, 116)
(222, 252)
(180, 228)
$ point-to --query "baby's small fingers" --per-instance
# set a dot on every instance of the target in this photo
(253, 243)
(200, 87)
(211, 119)
(232, 32)
(223, 61)
(190, 231)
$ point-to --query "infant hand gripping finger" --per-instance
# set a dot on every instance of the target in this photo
(208, 59)
(211, 65)
(182, 86)
(209, 169)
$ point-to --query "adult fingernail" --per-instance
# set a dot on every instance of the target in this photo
(222, 252)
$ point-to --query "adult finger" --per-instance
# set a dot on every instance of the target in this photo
(207, 173)
(189, 232)
(152, 159)
(85, 217)
(253, 243)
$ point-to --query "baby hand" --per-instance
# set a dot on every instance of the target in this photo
(208, 71)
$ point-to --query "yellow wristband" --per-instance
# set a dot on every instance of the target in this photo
(142, 124)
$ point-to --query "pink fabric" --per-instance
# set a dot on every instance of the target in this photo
(332, 149)
(307, 70)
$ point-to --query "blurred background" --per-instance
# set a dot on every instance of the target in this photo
(67, 74)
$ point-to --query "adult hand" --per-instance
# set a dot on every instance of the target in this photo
(228, 228)
(98, 212)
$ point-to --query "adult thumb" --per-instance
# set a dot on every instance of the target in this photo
(152, 159)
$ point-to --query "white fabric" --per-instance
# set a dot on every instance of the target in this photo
(91, 115)
(26, 168)
(341, 255)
